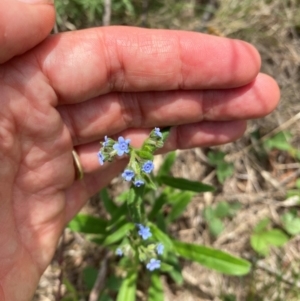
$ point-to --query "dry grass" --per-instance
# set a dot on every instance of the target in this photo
(273, 26)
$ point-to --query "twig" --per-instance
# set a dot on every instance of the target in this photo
(99, 284)
(107, 13)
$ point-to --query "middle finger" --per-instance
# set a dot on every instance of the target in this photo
(115, 112)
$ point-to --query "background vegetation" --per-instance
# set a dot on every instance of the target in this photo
(254, 211)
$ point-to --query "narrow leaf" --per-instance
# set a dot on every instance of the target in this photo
(89, 277)
(88, 224)
(109, 205)
(155, 292)
(185, 184)
(175, 273)
(161, 237)
(167, 164)
(212, 258)
(118, 234)
(180, 205)
(117, 216)
(158, 204)
(128, 288)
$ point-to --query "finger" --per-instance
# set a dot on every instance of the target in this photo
(101, 60)
(23, 24)
(113, 113)
(188, 136)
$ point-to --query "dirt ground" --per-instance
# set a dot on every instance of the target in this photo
(259, 185)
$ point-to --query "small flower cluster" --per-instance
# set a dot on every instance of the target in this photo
(129, 174)
(147, 253)
(111, 148)
(153, 263)
(140, 164)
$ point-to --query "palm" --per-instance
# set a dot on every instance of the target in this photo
(35, 146)
(53, 99)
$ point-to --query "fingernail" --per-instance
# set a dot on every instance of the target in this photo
(38, 1)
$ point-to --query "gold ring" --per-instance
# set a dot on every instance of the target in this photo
(78, 167)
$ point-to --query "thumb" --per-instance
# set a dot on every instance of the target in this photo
(23, 24)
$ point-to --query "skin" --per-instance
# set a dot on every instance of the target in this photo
(69, 90)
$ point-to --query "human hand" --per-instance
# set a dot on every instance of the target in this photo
(76, 87)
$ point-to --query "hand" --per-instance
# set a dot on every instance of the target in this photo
(76, 87)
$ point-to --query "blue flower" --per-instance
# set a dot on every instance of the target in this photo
(157, 132)
(128, 174)
(153, 264)
(105, 143)
(138, 183)
(122, 146)
(160, 248)
(101, 158)
(148, 167)
(144, 232)
(119, 252)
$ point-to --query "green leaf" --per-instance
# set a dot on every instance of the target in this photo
(175, 273)
(215, 157)
(113, 283)
(222, 209)
(293, 192)
(185, 184)
(216, 226)
(161, 237)
(212, 258)
(105, 297)
(118, 216)
(164, 267)
(69, 298)
(89, 277)
(161, 222)
(128, 288)
(158, 204)
(229, 297)
(261, 242)
(224, 171)
(291, 223)
(150, 184)
(182, 201)
(109, 205)
(262, 225)
(118, 234)
(156, 292)
(279, 141)
(88, 224)
(208, 213)
(167, 164)
(298, 183)
(72, 292)
(121, 198)
(165, 133)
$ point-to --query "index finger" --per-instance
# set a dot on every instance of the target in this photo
(83, 64)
